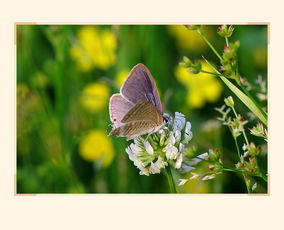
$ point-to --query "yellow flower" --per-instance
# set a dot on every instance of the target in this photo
(197, 186)
(260, 56)
(121, 76)
(97, 146)
(96, 48)
(95, 97)
(201, 87)
(188, 40)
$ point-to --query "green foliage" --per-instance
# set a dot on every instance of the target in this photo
(65, 76)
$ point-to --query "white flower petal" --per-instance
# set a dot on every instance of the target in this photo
(187, 127)
(181, 147)
(179, 121)
(209, 177)
(203, 155)
(154, 169)
(179, 161)
(187, 137)
(171, 152)
(194, 176)
(182, 182)
(149, 149)
(186, 168)
(135, 148)
(177, 135)
(160, 163)
(171, 139)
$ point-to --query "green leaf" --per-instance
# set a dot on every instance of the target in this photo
(245, 99)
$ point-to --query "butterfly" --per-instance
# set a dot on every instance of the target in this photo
(137, 109)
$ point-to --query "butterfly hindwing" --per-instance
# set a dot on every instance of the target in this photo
(144, 110)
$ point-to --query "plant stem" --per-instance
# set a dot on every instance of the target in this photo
(209, 44)
(170, 180)
(227, 41)
(238, 149)
(215, 74)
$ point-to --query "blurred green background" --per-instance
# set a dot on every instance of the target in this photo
(65, 76)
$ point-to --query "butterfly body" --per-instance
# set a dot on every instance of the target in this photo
(137, 109)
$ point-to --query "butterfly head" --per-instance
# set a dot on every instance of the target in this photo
(167, 118)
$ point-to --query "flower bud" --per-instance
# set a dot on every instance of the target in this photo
(225, 31)
(229, 101)
(186, 62)
(195, 67)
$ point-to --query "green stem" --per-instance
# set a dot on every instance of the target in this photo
(227, 41)
(215, 74)
(170, 180)
(209, 44)
(238, 149)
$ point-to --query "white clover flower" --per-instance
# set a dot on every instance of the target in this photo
(163, 148)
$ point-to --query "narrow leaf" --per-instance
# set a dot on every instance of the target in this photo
(245, 99)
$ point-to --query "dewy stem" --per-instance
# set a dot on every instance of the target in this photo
(209, 44)
(170, 180)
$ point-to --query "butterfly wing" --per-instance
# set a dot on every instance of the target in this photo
(118, 108)
(143, 118)
(144, 110)
(134, 129)
(140, 86)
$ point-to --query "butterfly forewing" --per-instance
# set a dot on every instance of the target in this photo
(118, 108)
(140, 86)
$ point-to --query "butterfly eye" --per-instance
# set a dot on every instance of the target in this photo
(166, 117)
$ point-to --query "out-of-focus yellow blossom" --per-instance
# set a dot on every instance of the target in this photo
(97, 146)
(96, 48)
(197, 186)
(189, 40)
(121, 76)
(95, 97)
(260, 57)
(201, 87)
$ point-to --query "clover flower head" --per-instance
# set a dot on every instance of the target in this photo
(166, 147)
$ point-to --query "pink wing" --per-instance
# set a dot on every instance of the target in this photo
(118, 107)
(140, 86)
